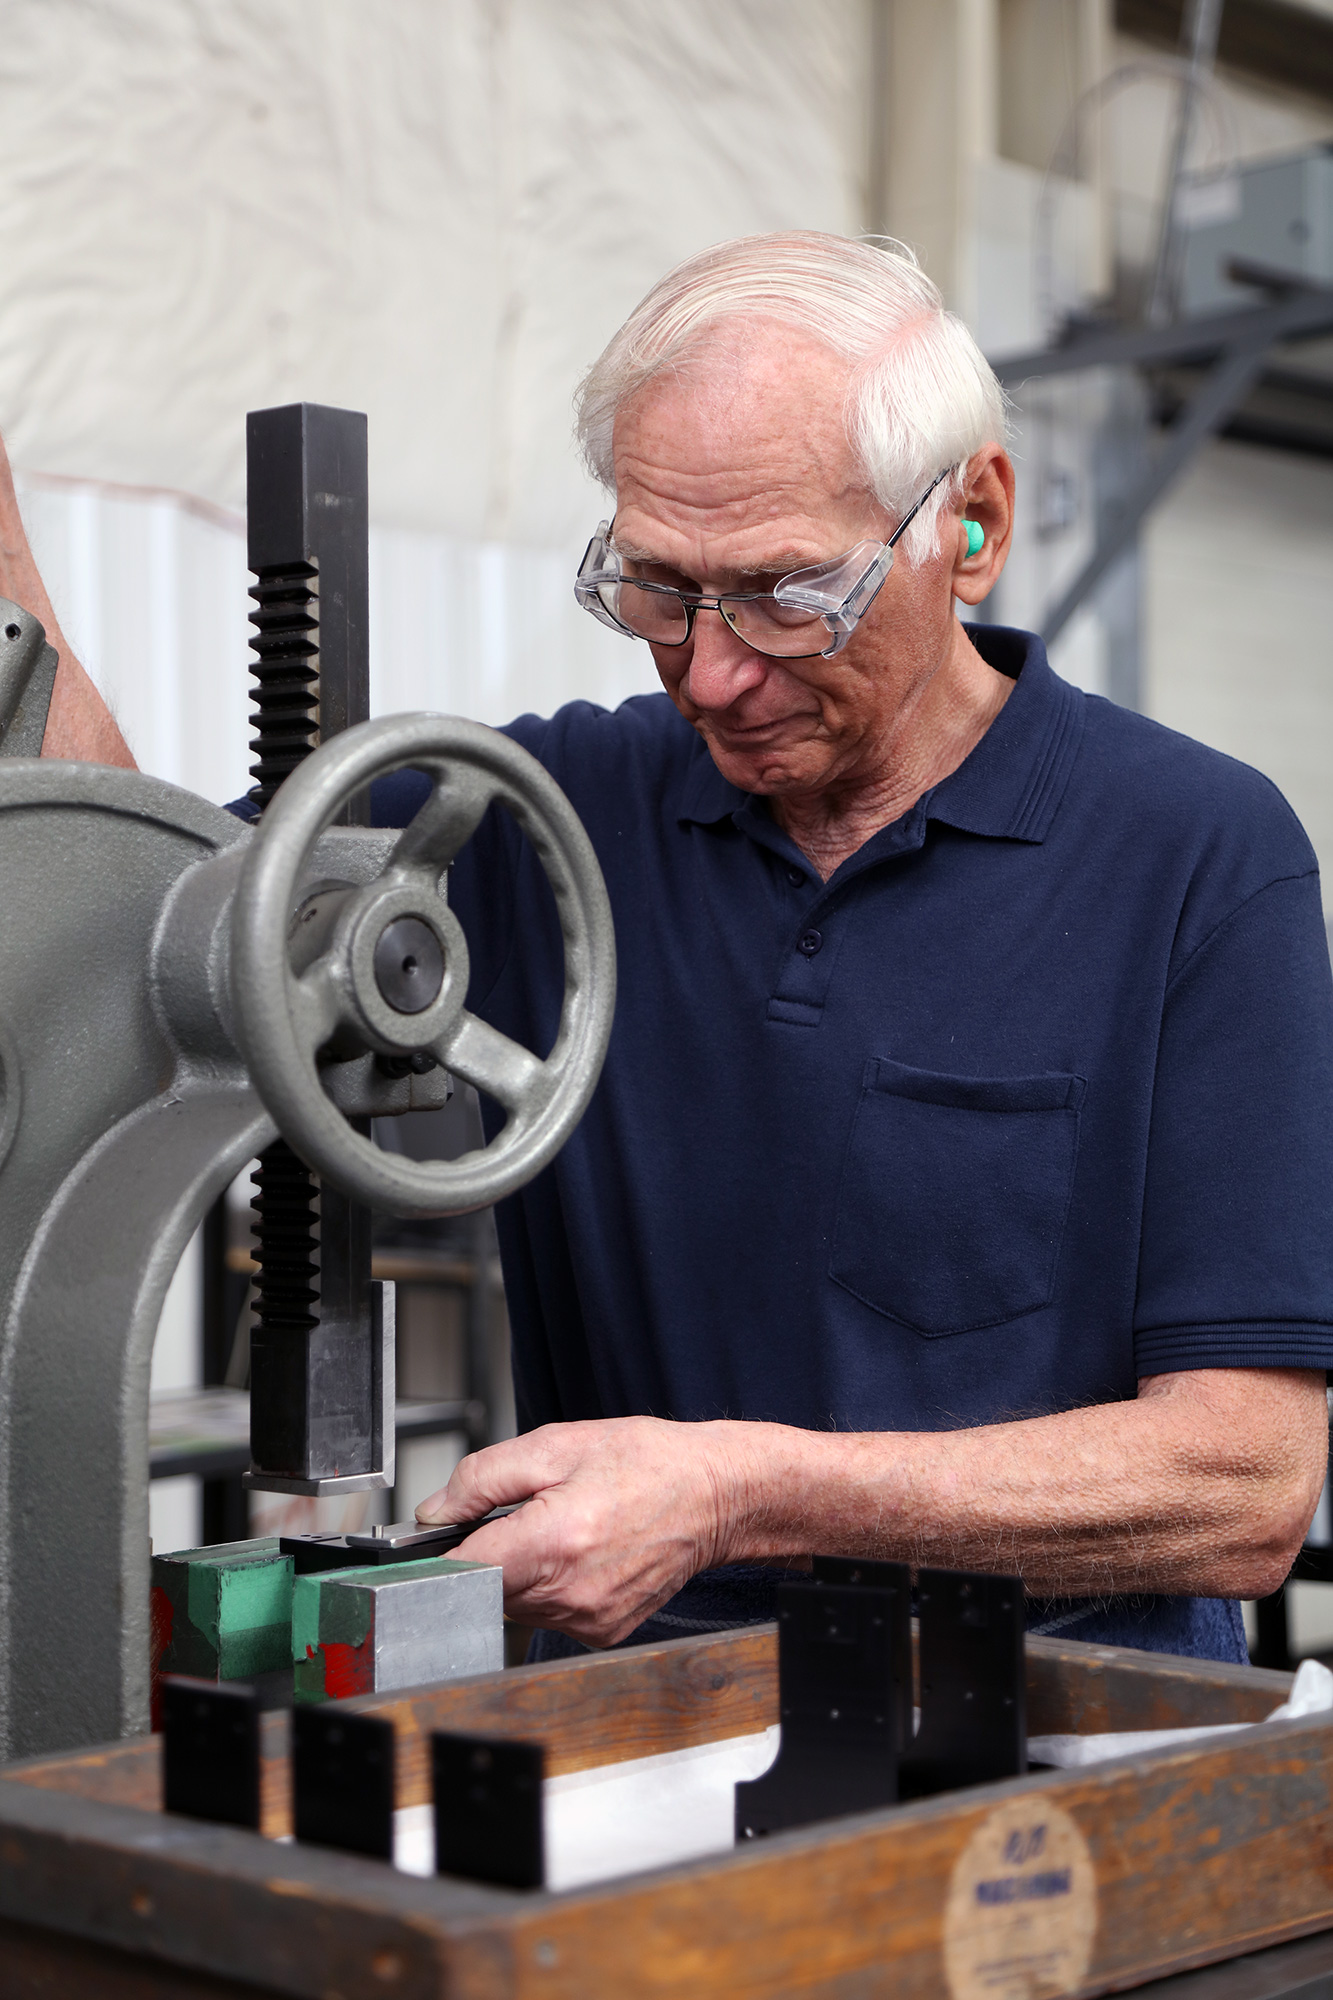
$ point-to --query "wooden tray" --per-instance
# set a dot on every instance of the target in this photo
(1086, 1881)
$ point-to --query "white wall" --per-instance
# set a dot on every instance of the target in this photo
(435, 211)
(1239, 596)
(151, 590)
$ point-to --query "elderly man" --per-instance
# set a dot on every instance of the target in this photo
(959, 1188)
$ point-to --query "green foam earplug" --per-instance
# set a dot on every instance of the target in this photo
(976, 537)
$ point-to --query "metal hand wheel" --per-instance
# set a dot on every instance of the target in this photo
(391, 970)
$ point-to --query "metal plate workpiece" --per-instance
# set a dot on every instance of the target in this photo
(210, 1752)
(343, 1780)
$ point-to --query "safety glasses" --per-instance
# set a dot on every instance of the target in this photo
(809, 614)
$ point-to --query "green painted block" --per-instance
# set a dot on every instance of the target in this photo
(222, 1613)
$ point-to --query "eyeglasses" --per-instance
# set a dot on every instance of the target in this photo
(810, 613)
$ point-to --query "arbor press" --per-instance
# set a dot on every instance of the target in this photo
(177, 991)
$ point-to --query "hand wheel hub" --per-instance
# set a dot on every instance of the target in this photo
(409, 965)
(398, 952)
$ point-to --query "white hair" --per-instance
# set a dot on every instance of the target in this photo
(922, 396)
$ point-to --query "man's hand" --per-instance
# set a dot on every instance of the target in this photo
(79, 725)
(622, 1514)
(1204, 1485)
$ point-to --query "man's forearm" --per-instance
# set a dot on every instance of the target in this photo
(1205, 1484)
(79, 725)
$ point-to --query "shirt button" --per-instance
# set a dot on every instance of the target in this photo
(810, 943)
(796, 876)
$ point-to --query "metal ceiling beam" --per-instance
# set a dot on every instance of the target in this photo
(1236, 344)
(1304, 315)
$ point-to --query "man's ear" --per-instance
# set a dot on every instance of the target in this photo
(988, 503)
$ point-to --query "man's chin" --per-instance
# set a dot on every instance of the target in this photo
(767, 770)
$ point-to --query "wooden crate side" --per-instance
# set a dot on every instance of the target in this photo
(130, 1774)
(1191, 1856)
(117, 1774)
(41, 1965)
(1195, 1856)
(610, 1706)
(305, 1922)
(1077, 1690)
(599, 1710)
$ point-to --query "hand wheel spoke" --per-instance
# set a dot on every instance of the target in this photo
(490, 1062)
(317, 1006)
(447, 821)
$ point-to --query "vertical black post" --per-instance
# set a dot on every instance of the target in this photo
(308, 529)
(312, 1375)
(225, 1509)
(1272, 1646)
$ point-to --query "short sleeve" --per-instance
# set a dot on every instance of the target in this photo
(1236, 1252)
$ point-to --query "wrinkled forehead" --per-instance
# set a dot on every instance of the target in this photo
(750, 423)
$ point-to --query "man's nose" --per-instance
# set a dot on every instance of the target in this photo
(722, 667)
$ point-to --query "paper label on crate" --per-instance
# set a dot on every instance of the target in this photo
(1022, 1909)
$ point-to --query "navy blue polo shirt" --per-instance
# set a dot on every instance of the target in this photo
(1032, 1098)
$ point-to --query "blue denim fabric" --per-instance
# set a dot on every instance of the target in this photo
(1202, 1628)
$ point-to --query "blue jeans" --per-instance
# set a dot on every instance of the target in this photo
(719, 1600)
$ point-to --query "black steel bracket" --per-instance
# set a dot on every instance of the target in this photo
(210, 1750)
(972, 1672)
(343, 1780)
(845, 1682)
(488, 1809)
(845, 1697)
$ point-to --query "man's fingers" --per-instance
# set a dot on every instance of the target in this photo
(512, 1544)
(434, 1508)
(484, 1479)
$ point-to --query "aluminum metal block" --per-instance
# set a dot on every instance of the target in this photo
(361, 1631)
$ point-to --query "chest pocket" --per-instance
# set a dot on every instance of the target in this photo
(954, 1195)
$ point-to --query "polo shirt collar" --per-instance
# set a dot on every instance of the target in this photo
(1008, 788)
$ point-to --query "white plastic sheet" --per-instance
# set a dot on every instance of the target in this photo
(619, 1819)
(1311, 1694)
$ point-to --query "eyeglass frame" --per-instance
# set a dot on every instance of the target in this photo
(841, 618)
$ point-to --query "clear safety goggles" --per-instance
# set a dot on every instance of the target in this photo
(810, 613)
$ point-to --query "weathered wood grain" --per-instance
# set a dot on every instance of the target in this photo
(1078, 1690)
(1198, 1854)
(43, 1965)
(596, 1711)
(303, 1921)
(130, 1774)
(116, 1774)
(639, 1703)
